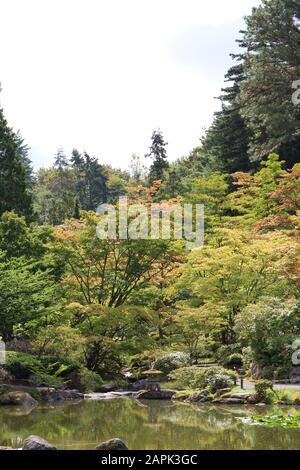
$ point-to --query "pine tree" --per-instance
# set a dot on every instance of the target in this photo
(227, 140)
(76, 214)
(23, 151)
(14, 189)
(61, 160)
(91, 180)
(158, 155)
(271, 57)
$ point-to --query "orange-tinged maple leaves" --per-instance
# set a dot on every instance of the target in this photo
(243, 180)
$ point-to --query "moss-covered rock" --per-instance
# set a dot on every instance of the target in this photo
(17, 398)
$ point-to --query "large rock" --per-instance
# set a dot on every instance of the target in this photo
(242, 395)
(200, 397)
(37, 443)
(250, 398)
(112, 444)
(138, 385)
(6, 448)
(230, 401)
(52, 395)
(17, 398)
(155, 395)
(105, 388)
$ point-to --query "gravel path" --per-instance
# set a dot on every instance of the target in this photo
(250, 386)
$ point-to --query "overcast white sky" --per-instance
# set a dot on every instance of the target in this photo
(100, 75)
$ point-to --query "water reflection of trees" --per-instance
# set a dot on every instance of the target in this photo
(143, 425)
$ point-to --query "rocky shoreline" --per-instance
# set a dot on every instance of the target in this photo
(38, 443)
(43, 395)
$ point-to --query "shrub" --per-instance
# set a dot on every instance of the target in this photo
(89, 381)
(48, 371)
(42, 379)
(219, 381)
(58, 366)
(219, 370)
(263, 388)
(188, 377)
(171, 362)
(21, 365)
(225, 351)
(196, 377)
(141, 362)
(234, 360)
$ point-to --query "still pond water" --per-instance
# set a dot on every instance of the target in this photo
(144, 425)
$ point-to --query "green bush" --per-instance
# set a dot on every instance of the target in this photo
(89, 381)
(141, 362)
(59, 366)
(219, 381)
(188, 377)
(171, 362)
(21, 365)
(263, 388)
(223, 353)
(48, 371)
(200, 378)
(42, 379)
(234, 360)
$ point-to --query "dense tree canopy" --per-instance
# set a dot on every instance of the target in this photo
(97, 305)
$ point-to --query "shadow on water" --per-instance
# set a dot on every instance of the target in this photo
(148, 425)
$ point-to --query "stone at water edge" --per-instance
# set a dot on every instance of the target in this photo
(242, 395)
(37, 443)
(106, 388)
(52, 395)
(6, 448)
(16, 398)
(152, 395)
(230, 401)
(201, 397)
(138, 385)
(112, 444)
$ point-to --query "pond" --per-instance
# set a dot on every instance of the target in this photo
(151, 425)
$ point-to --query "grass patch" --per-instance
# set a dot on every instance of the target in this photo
(288, 395)
(170, 384)
(182, 394)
